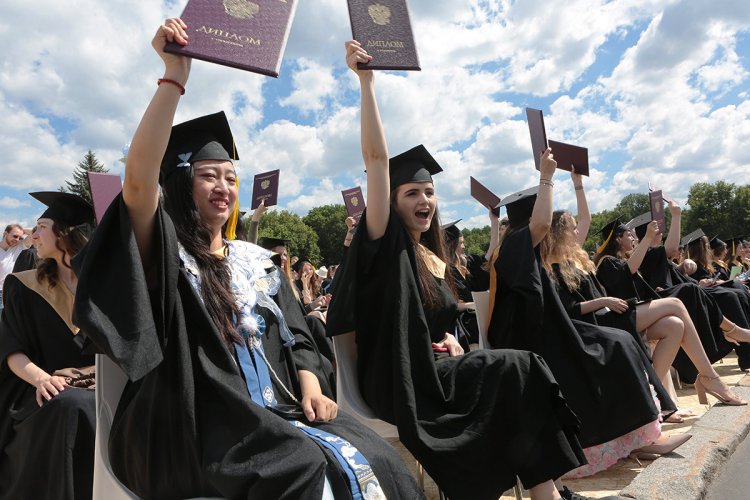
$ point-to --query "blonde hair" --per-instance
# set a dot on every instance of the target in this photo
(560, 242)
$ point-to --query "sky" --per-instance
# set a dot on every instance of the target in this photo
(657, 90)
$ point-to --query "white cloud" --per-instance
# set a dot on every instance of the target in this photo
(8, 202)
(313, 84)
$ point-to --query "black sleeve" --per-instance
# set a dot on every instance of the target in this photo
(114, 307)
(479, 275)
(614, 274)
(12, 338)
(569, 300)
(26, 260)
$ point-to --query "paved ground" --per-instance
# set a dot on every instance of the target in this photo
(617, 478)
(734, 481)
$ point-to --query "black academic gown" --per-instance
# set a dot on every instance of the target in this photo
(474, 421)
(731, 298)
(477, 280)
(185, 425)
(26, 260)
(590, 289)
(46, 452)
(603, 372)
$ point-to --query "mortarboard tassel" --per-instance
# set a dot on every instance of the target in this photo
(231, 231)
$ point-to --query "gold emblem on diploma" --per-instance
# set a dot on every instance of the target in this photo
(355, 201)
(265, 184)
(241, 9)
(380, 14)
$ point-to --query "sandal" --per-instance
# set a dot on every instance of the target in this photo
(723, 394)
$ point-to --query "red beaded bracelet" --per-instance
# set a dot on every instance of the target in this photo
(173, 82)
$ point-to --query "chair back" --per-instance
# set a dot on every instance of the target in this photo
(110, 381)
(482, 306)
(348, 396)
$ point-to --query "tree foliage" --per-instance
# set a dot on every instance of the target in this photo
(720, 208)
(329, 222)
(477, 240)
(80, 183)
(303, 241)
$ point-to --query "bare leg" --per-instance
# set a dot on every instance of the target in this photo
(544, 491)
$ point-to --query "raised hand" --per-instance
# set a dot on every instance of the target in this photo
(177, 66)
(356, 54)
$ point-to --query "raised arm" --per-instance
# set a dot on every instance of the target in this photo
(636, 258)
(541, 217)
(584, 216)
(374, 147)
(494, 235)
(672, 243)
(140, 189)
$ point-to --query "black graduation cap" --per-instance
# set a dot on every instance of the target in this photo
(639, 224)
(205, 138)
(520, 205)
(608, 230)
(715, 243)
(452, 232)
(270, 242)
(695, 235)
(67, 209)
(414, 165)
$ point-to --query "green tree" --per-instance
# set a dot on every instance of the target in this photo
(328, 222)
(303, 241)
(80, 183)
(632, 205)
(720, 208)
(477, 240)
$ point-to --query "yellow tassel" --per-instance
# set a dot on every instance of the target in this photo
(606, 242)
(231, 231)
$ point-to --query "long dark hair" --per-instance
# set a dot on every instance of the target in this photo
(612, 248)
(70, 241)
(433, 239)
(195, 236)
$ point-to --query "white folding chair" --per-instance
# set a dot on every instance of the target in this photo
(110, 381)
(482, 307)
(349, 398)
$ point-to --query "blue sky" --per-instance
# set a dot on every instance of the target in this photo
(658, 90)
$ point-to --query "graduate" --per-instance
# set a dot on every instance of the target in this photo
(226, 395)
(474, 420)
(47, 425)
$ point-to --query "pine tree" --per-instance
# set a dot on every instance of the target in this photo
(80, 184)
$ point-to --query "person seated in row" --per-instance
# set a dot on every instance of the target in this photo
(47, 425)
(393, 290)
(226, 395)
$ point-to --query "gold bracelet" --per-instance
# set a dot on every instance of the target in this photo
(544, 182)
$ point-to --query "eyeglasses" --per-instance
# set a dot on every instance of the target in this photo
(15, 236)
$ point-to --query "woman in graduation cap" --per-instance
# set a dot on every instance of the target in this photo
(665, 320)
(394, 290)
(47, 425)
(226, 396)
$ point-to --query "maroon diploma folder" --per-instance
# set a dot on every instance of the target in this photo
(265, 188)
(249, 35)
(657, 209)
(535, 119)
(104, 188)
(484, 195)
(354, 202)
(567, 154)
(384, 30)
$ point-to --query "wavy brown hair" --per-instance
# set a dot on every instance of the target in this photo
(700, 252)
(70, 241)
(560, 242)
(195, 237)
(612, 248)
